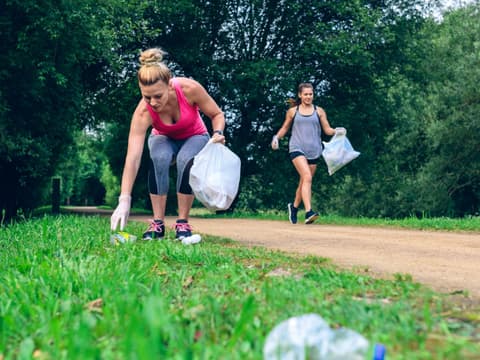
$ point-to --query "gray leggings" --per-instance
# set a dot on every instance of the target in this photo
(165, 152)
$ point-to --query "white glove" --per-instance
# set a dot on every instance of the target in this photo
(275, 142)
(121, 212)
(340, 131)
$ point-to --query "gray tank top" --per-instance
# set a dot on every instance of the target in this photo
(306, 135)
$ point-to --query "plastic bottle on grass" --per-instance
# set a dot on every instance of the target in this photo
(122, 237)
(310, 337)
(190, 240)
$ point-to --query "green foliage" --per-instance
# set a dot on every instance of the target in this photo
(67, 293)
(453, 133)
(80, 168)
(434, 144)
(111, 184)
(51, 55)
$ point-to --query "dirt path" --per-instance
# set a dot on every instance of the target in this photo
(445, 261)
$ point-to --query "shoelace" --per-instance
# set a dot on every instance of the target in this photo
(155, 227)
(182, 227)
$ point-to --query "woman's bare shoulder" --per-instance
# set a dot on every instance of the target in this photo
(141, 114)
(187, 84)
(192, 89)
(291, 111)
(141, 109)
(320, 110)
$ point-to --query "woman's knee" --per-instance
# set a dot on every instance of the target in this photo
(161, 149)
(182, 160)
(161, 158)
(306, 178)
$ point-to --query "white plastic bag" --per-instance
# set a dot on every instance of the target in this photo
(215, 176)
(338, 152)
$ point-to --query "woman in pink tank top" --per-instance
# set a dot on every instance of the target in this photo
(170, 107)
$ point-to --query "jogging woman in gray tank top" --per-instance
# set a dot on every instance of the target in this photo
(305, 146)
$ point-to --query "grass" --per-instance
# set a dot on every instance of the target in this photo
(67, 293)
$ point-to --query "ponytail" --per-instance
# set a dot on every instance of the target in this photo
(292, 102)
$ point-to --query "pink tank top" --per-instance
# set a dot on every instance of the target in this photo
(190, 123)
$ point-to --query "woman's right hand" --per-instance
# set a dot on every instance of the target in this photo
(275, 144)
(121, 213)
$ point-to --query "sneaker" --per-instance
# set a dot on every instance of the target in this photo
(310, 217)
(182, 229)
(155, 231)
(292, 213)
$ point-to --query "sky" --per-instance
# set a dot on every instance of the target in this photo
(453, 4)
(457, 3)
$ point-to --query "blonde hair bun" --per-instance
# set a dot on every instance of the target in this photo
(152, 56)
(152, 67)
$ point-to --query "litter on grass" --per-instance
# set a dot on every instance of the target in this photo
(122, 237)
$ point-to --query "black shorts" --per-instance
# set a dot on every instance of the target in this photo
(295, 154)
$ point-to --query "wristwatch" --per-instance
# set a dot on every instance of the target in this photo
(219, 132)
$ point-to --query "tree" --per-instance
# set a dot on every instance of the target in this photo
(430, 164)
(81, 169)
(454, 128)
(51, 56)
